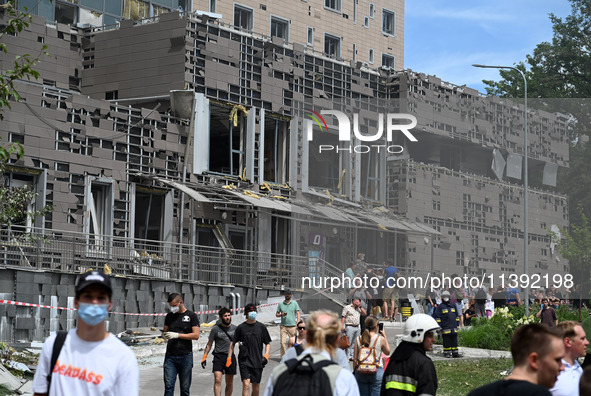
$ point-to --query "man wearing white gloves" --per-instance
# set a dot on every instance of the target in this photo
(181, 327)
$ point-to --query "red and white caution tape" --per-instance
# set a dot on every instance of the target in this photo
(211, 311)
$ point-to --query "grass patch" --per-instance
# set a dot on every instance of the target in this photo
(459, 377)
(486, 336)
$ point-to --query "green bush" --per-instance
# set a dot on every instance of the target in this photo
(486, 336)
(495, 332)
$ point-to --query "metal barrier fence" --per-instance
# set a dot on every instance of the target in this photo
(76, 252)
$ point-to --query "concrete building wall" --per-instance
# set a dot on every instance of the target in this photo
(62, 68)
(302, 15)
(136, 61)
(480, 219)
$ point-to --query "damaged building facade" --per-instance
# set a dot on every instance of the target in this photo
(243, 189)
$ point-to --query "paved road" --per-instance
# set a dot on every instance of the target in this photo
(152, 384)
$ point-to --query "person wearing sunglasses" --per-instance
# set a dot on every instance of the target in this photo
(300, 336)
(297, 345)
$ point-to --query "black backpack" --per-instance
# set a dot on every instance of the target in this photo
(305, 377)
(480, 296)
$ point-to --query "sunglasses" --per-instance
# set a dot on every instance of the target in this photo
(301, 328)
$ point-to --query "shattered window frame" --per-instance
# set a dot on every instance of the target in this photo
(244, 14)
(333, 5)
(279, 27)
(227, 139)
(278, 155)
(388, 22)
(388, 60)
(332, 45)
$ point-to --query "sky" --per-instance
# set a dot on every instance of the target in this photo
(445, 37)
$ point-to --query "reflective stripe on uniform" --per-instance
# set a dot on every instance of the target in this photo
(401, 382)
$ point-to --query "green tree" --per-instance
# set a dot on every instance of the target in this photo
(23, 65)
(574, 245)
(14, 201)
(562, 69)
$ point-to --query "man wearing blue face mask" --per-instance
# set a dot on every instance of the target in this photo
(252, 335)
(181, 327)
(91, 361)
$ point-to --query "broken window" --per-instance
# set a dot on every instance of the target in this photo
(388, 22)
(243, 17)
(326, 162)
(227, 141)
(332, 45)
(148, 217)
(13, 181)
(388, 61)
(334, 5)
(65, 13)
(280, 28)
(99, 218)
(370, 175)
(137, 9)
(276, 150)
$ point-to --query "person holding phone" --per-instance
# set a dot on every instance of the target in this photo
(548, 314)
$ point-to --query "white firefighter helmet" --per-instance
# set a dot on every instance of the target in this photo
(445, 293)
(417, 326)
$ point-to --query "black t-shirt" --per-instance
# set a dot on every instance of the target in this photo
(510, 388)
(500, 299)
(468, 320)
(180, 323)
(252, 336)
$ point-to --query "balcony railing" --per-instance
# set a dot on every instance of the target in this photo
(55, 250)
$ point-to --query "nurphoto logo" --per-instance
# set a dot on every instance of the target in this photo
(344, 124)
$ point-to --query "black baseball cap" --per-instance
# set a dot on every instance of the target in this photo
(93, 277)
(249, 308)
(288, 291)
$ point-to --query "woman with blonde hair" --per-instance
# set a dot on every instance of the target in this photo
(370, 383)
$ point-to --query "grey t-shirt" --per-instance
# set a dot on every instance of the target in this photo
(222, 343)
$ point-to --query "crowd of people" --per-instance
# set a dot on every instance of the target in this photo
(327, 354)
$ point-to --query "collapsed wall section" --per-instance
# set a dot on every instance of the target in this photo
(480, 219)
(78, 140)
(461, 114)
(62, 67)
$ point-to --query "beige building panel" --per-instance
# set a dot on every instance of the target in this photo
(312, 13)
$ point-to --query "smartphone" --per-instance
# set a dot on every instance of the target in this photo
(381, 326)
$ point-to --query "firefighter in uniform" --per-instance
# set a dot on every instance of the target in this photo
(449, 320)
(410, 371)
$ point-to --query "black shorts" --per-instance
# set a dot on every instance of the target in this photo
(219, 364)
(254, 374)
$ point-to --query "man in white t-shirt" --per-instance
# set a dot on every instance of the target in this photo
(92, 361)
(575, 346)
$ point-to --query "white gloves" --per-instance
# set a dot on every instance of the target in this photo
(169, 335)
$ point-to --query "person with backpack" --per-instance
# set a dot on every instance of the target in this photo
(410, 371)
(314, 372)
(87, 360)
(479, 302)
(298, 347)
(251, 335)
(223, 335)
(367, 364)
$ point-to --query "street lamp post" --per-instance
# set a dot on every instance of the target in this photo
(525, 182)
